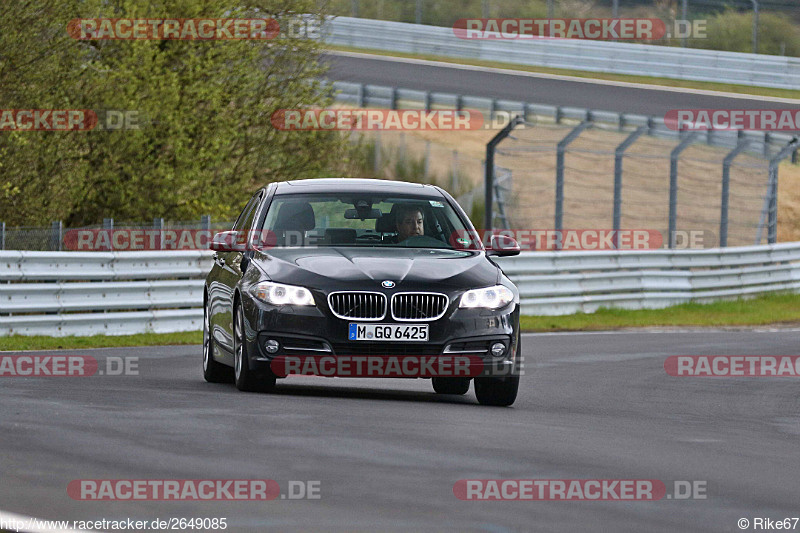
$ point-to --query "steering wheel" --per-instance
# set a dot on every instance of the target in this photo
(422, 241)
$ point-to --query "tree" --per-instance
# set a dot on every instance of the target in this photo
(204, 139)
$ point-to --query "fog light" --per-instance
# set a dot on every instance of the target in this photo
(271, 346)
(498, 349)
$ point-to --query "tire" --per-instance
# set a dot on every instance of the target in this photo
(245, 379)
(450, 385)
(497, 391)
(213, 371)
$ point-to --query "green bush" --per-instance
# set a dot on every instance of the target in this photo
(733, 31)
(206, 140)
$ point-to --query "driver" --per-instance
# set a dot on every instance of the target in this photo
(409, 222)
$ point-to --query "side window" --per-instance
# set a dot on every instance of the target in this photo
(245, 220)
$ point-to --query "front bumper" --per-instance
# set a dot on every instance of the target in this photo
(307, 331)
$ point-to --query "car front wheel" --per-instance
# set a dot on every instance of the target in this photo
(245, 378)
(497, 391)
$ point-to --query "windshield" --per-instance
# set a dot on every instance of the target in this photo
(363, 220)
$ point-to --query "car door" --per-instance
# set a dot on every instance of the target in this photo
(228, 266)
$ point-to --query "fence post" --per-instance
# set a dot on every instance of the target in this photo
(488, 172)
(205, 225)
(426, 168)
(726, 181)
(673, 183)
(376, 163)
(685, 17)
(771, 201)
(158, 225)
(56, 231)
(619, 153)
(454, 173)
(108, 223)
(427, 100)
(360, 94)
(561, 149)
(2, 235)
(394, 98)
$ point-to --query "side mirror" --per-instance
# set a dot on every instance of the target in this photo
(502, 246)
(226, 241)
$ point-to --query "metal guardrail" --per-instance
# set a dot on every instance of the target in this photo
(367, 95)
(81, 293)
(101, 293)
(594, 56)
(558, 283)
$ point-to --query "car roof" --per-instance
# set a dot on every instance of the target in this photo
(356, 185)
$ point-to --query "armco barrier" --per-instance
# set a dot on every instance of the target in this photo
(364, 95)
(101, 293)
(594, 56)
(121, 293)
(558, 283)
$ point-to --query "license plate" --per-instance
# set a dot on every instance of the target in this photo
(388, 332)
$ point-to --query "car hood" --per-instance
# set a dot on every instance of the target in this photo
(356, 268)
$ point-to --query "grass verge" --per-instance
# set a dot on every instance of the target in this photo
(665, 82)
(770, 309)
(19, 342)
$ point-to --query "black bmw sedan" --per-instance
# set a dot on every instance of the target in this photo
(347, 270)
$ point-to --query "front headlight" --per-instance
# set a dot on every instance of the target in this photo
(280, 294)
(488, 298)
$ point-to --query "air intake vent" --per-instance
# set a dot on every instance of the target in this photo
(419, 306)
(358, 305)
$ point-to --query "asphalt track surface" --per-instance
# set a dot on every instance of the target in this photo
(387, 452)
(533, 88)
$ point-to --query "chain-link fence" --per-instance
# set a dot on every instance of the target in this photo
(419, 158)
(586, 174)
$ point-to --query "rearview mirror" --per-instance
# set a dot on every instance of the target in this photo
(502, 246)
(352, 214)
